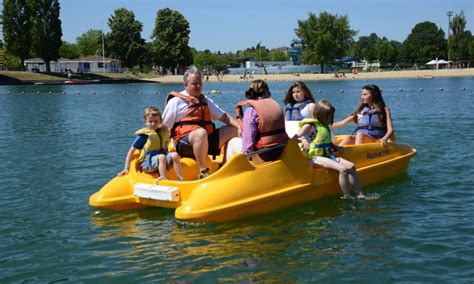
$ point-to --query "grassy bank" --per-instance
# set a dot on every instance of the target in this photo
(20, 77)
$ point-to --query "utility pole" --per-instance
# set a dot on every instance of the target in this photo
(103, 49)
(449, 14)
(260, 52)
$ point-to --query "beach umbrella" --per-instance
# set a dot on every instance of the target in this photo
(432, 62)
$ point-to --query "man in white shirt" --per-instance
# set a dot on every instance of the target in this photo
(194, 138)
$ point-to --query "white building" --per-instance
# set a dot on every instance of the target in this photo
(88, 64)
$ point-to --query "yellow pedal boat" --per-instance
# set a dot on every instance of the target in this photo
(238, 189)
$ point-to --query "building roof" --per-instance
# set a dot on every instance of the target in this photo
(89, 58)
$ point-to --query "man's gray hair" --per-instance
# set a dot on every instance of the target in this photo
(192, 70)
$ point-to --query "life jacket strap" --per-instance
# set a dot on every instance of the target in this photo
(273, 132)
(370, 127)
(200, 123)
(323, 145)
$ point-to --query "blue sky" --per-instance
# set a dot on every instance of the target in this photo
(229, 25)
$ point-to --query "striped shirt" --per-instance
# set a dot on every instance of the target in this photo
(249, 130)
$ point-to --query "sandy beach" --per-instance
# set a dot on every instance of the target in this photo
(421, 74)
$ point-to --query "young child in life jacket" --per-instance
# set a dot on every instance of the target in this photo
(372, 116)
(320, 149)
(152, 141)
(298, 101)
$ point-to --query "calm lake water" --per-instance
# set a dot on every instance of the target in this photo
(57, 149)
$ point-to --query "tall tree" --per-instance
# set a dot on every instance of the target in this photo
(425, 42)
(459, 40)
(124, 41)
(46, 30)
(278, 55)
(16, 28)
(90, 43)
(388, 51)
(324, 38)
(69, 50)
(366, 47)
(170, 39)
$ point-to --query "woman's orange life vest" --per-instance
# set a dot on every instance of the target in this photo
(271, 126)
(198, 115)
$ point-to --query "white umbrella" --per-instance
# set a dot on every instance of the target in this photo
(442, 61)
(432, 62)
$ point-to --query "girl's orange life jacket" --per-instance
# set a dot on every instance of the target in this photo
(271, 126)
(198, 115)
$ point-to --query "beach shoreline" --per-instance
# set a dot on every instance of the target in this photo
(410, 74)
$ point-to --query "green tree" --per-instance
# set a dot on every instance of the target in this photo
(425, 42)
(278, 55)
(471, 49)
(459, 40)
(3, 56)
(16, 18)
(90, 43)
(170, 39)
(388, 51)
(12, 62)
(324, 38)
(46, 30)
(256, 53)
(124, 41)
(230, 59)
(205, 60)
(366, 47)
(69, 50)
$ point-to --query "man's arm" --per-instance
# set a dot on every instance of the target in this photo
(230, 121)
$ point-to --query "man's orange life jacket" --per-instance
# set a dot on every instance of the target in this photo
(271, 126)
(198, 115)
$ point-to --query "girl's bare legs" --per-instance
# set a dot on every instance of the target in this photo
(347, 140)
(162, 166)
(361, 138)
(333, 165)
(353, 177)
(177, 165)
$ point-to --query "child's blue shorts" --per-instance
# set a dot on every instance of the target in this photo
(153, 166)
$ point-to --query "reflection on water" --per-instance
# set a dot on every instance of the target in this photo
(269, 247)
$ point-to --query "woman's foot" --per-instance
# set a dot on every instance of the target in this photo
(360, 196)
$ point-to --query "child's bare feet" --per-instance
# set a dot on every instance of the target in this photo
(360, 196)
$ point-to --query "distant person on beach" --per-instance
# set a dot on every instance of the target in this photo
(152, 141)
(372, 116)
(298, 100)
(320, 149)
(189, 115)
(263, 123)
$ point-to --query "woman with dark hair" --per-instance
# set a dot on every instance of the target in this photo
(372, 116)
(263, 123)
